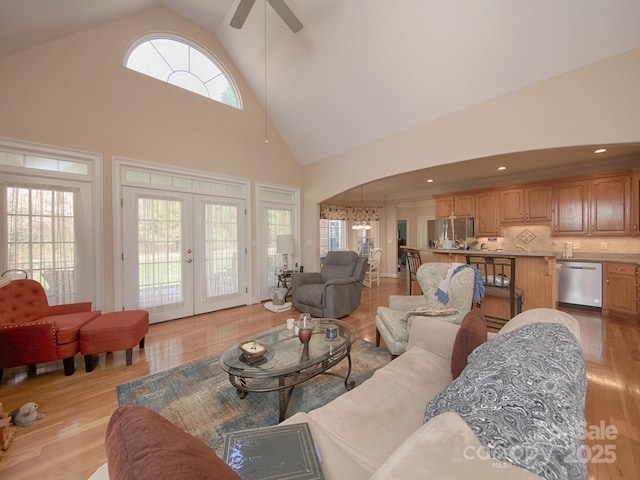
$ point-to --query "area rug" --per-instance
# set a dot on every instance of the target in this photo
(198, 397)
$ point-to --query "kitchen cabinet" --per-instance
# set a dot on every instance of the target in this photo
(461, 205)
(444, 207)
(487, 215)
(620, 288)
(594, 207)
(526, 205)
(635, 202)
(610, 205)
(570, 208)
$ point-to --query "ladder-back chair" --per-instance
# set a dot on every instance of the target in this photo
(413, 263)
(498, 275)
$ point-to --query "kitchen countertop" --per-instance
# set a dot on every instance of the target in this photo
(602, 257)
(493, 253)
(577, 255)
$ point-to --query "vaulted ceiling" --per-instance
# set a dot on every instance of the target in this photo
(361, 70)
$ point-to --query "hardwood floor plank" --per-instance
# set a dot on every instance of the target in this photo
(69, 442)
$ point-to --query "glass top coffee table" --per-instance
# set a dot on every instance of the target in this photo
(288, 362)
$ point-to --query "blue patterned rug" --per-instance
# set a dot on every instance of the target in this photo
(198, 397)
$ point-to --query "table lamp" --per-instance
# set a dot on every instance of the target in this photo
(285, 248)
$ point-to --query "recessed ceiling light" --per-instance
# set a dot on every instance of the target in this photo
(430, 180)
(600, 150)
(502, 168)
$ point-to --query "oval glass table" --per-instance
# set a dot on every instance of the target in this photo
(287, 362)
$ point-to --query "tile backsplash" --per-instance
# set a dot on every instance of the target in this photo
(537, 238)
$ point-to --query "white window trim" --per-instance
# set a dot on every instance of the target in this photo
(119, 168)
(93, 178)
(162, 34)
(262, 188)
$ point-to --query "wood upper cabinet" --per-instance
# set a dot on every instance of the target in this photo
(461, 205)
(620, 288)
(570, 208)
(487, 217)
(610, 205)
(464, 205)
(600, 206)
(444, 207)
(526, 205)
(635, 201)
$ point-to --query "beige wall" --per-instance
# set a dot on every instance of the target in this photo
(74, 93)
(598, 104)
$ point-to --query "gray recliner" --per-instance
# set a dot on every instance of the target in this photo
(334, 291)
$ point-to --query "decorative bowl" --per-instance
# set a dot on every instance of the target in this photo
(253, 349)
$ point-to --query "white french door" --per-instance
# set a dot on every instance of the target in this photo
(276, 220)
(184, 254)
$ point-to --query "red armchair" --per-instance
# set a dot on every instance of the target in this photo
(33, 332)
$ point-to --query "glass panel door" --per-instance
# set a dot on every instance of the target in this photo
(158, 253)
(184, 254)
(277, 220)
(42, 238)
(219, 280)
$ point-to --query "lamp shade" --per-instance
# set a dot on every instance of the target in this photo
(285, 244)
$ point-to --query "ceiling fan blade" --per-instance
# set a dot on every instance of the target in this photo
(286, 14)
(242, 12)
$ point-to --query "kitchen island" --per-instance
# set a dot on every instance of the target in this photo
(536, 276)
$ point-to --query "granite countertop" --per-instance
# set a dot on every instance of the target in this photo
(510, 253)
(602, 257)
(578, 256)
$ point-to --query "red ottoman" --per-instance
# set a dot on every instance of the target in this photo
(112, 332)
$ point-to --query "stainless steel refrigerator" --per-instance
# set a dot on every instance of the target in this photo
(457, 230)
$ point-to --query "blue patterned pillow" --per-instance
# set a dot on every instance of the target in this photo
(523, 395)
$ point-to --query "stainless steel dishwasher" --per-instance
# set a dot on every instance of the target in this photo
(580, 283)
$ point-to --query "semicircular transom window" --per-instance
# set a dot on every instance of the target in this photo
(180, 63)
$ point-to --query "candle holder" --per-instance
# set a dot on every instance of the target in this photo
(305, 322)
(304, 334)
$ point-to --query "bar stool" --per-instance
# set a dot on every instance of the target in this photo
(498, 275)
(413, 263)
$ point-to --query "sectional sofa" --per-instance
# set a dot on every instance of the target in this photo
(515, 409)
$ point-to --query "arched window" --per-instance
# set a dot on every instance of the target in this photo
(181, 62)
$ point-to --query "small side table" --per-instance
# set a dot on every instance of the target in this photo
(284, 280)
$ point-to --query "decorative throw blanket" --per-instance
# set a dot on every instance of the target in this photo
(430, 312)
(442, 293)
(523, 395)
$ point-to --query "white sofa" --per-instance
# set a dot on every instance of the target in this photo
(377, 430)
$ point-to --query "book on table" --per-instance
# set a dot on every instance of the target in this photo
(281, 451)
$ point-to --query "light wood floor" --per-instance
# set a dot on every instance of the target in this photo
(69, 442)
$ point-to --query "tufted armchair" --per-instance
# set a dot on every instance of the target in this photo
(393, 322)
(33, 332)
(334, 291)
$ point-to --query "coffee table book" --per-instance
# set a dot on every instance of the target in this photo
(280, 452)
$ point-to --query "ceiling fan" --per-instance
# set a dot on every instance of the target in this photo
(281, 8)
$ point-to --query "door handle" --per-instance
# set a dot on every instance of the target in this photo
(189, 260)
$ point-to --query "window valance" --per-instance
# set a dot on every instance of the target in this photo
(333, 212)
(365, 214)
